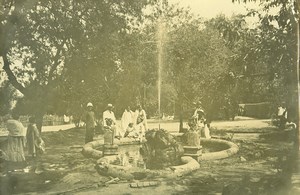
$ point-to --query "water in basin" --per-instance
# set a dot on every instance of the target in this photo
(129, 156)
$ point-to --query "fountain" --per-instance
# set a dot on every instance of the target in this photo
(163, 154)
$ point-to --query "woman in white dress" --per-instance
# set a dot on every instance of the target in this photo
(127, 118)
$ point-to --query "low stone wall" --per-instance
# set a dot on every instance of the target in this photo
(91, 149)
(261, 110)
(229, 148)
(105, 167)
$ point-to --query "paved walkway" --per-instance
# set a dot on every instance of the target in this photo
(240, 122)
(57, 127)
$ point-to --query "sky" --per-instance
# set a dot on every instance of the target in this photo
(211, 8)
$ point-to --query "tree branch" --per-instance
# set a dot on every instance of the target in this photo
(11, 77)
(56, 60)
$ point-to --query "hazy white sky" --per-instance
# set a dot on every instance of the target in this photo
(211, 8)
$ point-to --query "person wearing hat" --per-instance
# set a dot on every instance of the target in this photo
(109, 115)
(89, 123)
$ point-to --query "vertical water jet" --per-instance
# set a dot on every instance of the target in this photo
(160, 42)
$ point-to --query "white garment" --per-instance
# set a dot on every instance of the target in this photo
(108, 114)
(142, 114)
(206, 132)
(196, 115)
(282, 111)
(66, 119)
(131, 131)
(127, 118)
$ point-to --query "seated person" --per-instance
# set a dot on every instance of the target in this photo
(130, 131)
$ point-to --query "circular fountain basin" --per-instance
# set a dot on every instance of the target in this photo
(129, 164)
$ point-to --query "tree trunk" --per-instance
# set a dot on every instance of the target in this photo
(40, 111)
(181, 119)
(180, 104)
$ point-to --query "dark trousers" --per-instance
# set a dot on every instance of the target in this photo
(89, 134)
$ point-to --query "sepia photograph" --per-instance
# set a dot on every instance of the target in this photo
(146, 97)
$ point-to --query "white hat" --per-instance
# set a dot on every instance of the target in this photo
(89, 104)
(109, 105)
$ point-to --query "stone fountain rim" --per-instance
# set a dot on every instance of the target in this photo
(90, 151)
(231, 150)
(190, 164)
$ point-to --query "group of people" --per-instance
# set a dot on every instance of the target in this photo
(133, 123)
(21, 140)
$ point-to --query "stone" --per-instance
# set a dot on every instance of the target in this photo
(191, 138)
(110, 150)
(109, 135)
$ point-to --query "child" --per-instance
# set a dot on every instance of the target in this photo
(130, 131)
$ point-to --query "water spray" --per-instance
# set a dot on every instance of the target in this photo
(160, 36)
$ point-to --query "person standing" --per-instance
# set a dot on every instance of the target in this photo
(35, 144)
(33, 138)
(89, 123)
(16, 140)
(109, 114)
(199, 114)
(141, 120)
(199, 117)
(127, 118)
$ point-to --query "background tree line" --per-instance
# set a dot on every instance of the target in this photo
(62, 54)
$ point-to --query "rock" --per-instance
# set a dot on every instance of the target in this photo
(144, 184)
(243, 159)
(255, 179)
(110, 170)
(257, 154)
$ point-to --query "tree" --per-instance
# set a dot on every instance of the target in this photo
(46, 36)
(7, 96)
